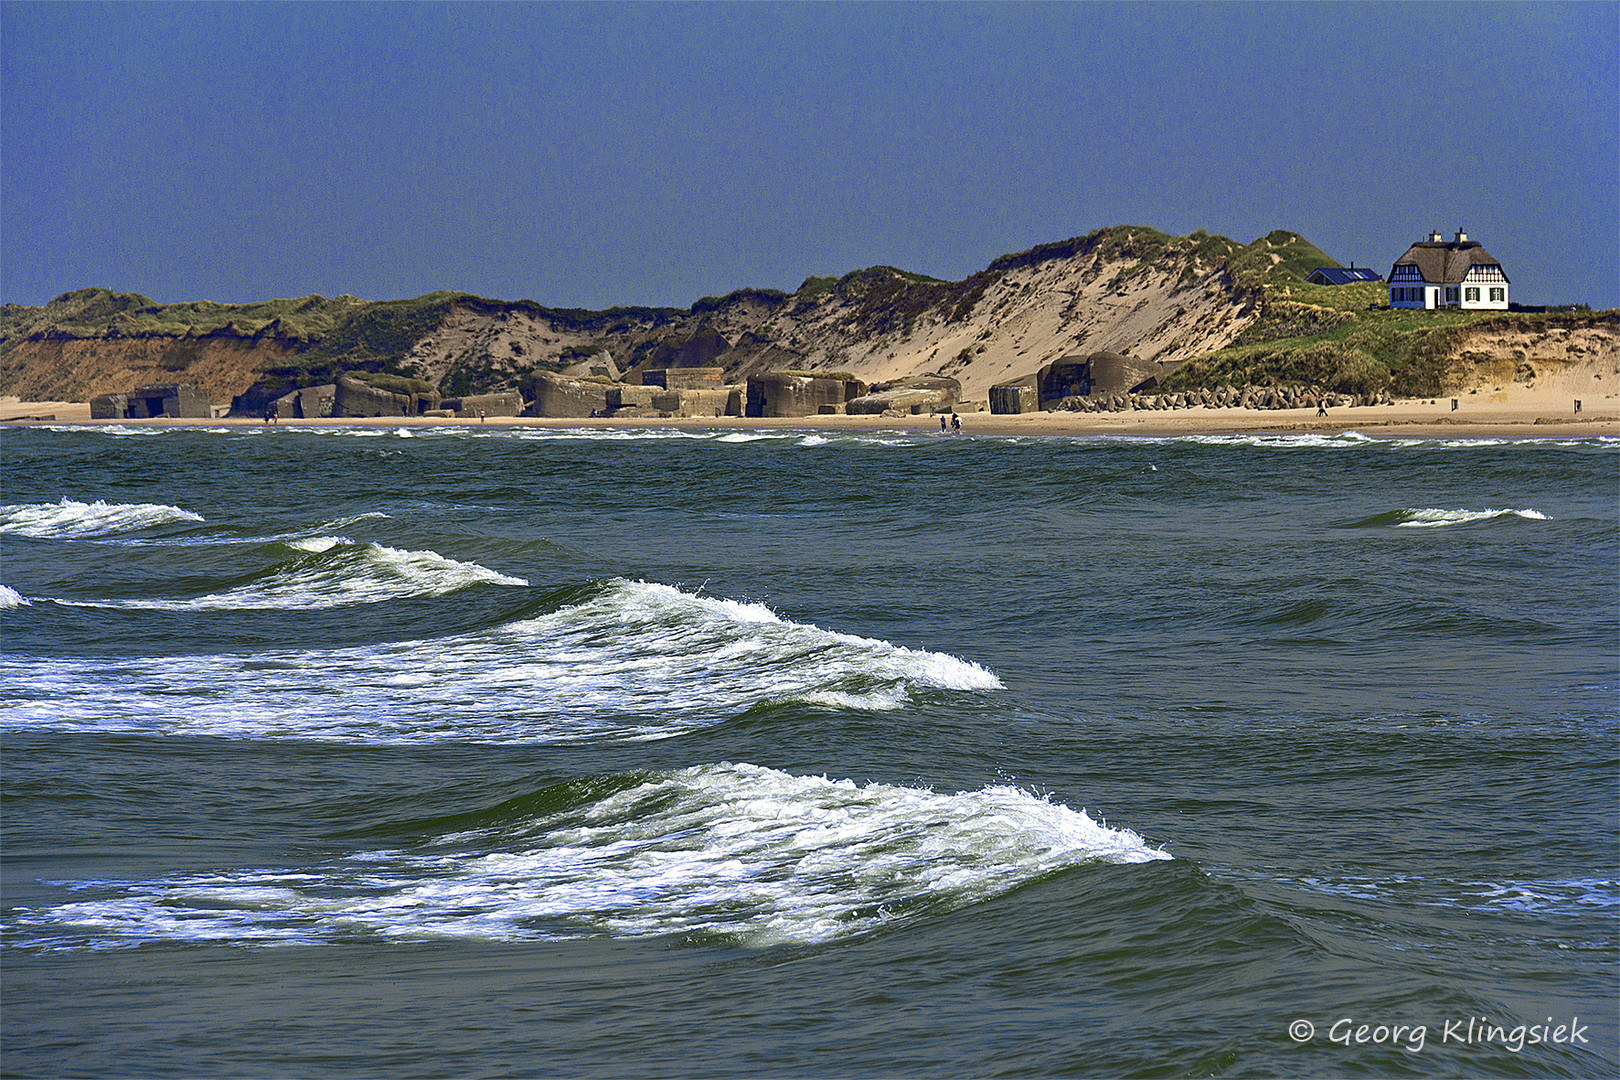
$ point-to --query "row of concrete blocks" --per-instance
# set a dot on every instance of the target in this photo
(1248, 398)
(674, 393)
(773, 394)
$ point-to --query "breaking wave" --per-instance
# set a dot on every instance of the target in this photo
(1303, 441)
(1435, 518)
(72, 520)
(722, 852)
(333, 571)
(621, 659)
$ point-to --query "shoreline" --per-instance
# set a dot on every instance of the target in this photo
(1404, 419)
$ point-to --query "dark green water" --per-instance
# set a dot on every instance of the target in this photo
(514, 753)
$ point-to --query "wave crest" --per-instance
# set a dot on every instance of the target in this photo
(333, 571)
(73, 520)
(1436, 518)
(619, 660)
(727, 851)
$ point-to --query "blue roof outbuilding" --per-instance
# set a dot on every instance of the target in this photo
(1342, 275)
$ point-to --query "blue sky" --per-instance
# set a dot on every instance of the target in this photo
(587, 155)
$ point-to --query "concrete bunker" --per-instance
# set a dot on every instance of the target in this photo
(176, 400)
(1095, 373)
(794, 393)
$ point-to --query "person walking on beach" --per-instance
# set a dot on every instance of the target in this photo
(956, 422)
(942, 423)
(1321, 406)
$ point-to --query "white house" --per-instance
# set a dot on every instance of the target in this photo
(1458, 273)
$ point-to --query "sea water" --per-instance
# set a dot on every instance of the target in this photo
(519, 752)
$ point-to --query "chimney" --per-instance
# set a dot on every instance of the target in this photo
(1461, 236)
(1434, 236)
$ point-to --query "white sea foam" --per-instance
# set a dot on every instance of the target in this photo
(633, 661)
(1561, 896)
(316, 544)
(1303, 441)
(737, 851)
(10, 598)
(337, 573)
(73, 520)
(798, 437)
(1432, 518)
(291, 539)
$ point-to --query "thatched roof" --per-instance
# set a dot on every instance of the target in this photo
(1447, 261)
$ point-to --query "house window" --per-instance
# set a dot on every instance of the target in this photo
(1471, 295)
(1451, 295)
(1498, 295)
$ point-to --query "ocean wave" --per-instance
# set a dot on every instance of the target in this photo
(1420, 519)
(724, 436)
(1555, 896)
(1346, 440)
(619, 660)
(333, 571)
(10, 598)
(743, 651)
(733, 852)
(1436, 518)
(73, 520)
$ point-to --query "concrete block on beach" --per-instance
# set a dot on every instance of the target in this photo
(504, 403)
(108, 406)
(307, 402)
(913, 395)
(630, 396)
(562, 397)
(147, 402)
(790, 394)
(1014, 398)
(354, 398)
(1097, 374)
(695, 378)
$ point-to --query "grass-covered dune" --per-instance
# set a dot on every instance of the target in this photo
(1217, 311)
(1346, 338)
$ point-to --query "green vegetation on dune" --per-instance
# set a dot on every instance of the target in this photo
(382, 332)
(767, 297)
(1138, 242)
(1342, 338)
(95, 312)
(1277, 257)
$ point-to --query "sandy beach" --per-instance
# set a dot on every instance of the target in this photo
(1516, 412)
